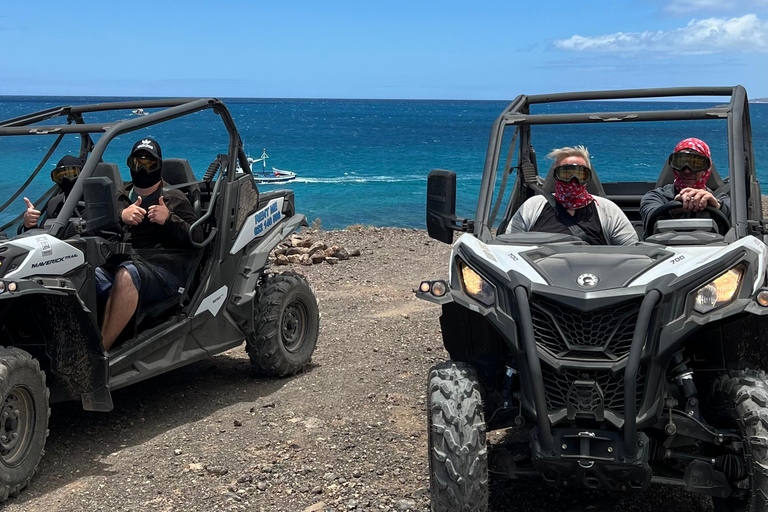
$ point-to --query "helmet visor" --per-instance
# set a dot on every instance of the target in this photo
(147, 162)
(69, 172)
(569, 171)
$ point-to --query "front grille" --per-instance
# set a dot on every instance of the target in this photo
(566, 332)
(588, 390)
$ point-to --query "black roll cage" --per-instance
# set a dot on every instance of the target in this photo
(172, 109)
(740, 149)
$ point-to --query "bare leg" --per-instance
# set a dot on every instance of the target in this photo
(121, 305)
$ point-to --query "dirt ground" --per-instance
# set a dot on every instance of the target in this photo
(347, 434)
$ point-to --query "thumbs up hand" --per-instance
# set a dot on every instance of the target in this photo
(31, 216)
(134, 214)
(159, 213)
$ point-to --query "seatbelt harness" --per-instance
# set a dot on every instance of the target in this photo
(562, 214)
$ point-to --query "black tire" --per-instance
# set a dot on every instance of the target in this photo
(458, 456)
(24, 414)
(286, 323)
(746, 396)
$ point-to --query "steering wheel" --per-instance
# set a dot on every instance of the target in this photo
(723, 223)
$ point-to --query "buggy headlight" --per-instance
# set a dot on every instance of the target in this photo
(475, 286)
(720, 291)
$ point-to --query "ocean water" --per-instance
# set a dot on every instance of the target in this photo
(366, 161)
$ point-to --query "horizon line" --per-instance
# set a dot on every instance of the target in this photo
(683, 99)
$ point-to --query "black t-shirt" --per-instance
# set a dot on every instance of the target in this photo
(586, 218)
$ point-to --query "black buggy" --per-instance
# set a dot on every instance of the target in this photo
(620, 366)
(49, 313)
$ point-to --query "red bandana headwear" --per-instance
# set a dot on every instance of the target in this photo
(699, 146)
(572, 195)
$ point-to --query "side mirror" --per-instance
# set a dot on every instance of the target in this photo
(100, 204)
(441, 206)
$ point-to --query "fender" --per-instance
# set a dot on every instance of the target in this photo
(244, 285)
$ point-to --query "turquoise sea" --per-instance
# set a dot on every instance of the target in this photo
(366, 161)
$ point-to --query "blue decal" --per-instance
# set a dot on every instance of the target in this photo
(266, 218)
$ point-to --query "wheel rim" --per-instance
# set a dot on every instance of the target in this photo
(293, 327)
(17, 420)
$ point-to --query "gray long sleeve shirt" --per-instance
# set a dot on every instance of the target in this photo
(616, 227)
(663, 195)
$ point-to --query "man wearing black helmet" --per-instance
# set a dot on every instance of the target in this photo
(64, 175)
(152, 218)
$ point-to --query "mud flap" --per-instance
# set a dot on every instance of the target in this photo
(74, 348)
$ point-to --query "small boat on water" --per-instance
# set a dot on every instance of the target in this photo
(264, 176)
(139, 112)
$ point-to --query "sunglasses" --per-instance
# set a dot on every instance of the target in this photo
(137, 162)
(569, 171)
(60, 173)
(694, 161)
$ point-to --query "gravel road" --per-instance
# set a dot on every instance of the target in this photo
(348, 434)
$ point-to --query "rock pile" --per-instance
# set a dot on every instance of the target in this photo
(304, 250)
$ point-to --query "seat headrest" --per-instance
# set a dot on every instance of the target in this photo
(667, 176)
(177, 171)
(594, 186)
(111, 171)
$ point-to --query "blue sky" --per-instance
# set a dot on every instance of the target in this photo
(389, 49)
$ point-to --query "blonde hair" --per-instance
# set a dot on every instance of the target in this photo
(562, 153)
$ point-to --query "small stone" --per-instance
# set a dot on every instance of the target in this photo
(331, 260)
(342, 254)
(405, 505)
(217, 470)
(356, 473)
(351, 505)
(177, 451)
(315, 507)
(329, 477)
(247, 478)
(317, 246)
(317, 490)
(232, 496)
(195, 467)
(262, 486)
(281, 259)
(294, 258)
(354, 252)
(269, 404)
(318, 257)
(238, 423)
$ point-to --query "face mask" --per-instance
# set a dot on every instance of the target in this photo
(67, 185)
(701, 181)
(144, 179)
(572, 195)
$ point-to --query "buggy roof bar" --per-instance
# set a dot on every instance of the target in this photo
(740, 162)
(518, 111)
(18, 125)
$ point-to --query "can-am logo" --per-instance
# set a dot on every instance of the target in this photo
(587, 280)
(53, 261)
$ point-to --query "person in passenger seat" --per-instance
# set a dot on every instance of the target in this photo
(594, 219)
(152, 218)
(691, 164)
(64, 175)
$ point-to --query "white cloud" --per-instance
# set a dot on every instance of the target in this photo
(689, 6)
(712, 35)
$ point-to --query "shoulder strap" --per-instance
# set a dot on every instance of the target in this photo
(562, 214)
